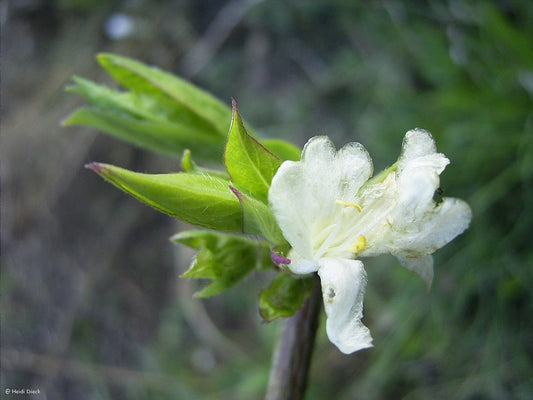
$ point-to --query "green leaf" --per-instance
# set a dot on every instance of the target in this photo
(284, 296)
(159, 111)
(188, 165)
(168, 89)
(137, 105)
(161, 136)
(223, 258)
(202, 200)
(258, 219)
(282, 149)
(250, 165)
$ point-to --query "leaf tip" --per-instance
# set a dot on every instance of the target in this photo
(64, 122)
(102, 57)
(237, 192)
(262, 317)
(97, 167)
(187, 165)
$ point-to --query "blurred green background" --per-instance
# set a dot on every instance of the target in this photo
(92, 306)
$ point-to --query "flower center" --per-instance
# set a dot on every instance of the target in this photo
(329, 243)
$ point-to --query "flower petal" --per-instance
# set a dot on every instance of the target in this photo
(343, 288)
(301, 266)
(417, 143)
(303, 194)
(352, 168)
(416, 187)
(438, 227)
(286, 196)
(419, 167)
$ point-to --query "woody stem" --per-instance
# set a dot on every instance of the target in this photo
(292, 356)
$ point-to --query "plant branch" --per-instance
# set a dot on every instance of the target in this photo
(292, 356)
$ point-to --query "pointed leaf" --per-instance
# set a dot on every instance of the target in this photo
(168, 89)
(197, 199)
(223, 258)
(165, 137)
(250, 165)
(258, 219)
(137, 105)
(284, 296)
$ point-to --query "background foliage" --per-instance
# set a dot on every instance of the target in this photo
(91, 304)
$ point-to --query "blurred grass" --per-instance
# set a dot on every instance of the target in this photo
(355, 71)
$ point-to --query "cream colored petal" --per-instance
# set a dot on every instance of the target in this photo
(352, 167)
(329, 175)
(318, 187)
(417, 143)
(343, 288)
(416, 188)
(318, 148)
(452, 217)
(296, 195)
(446, 221)
(287, 195)
(301, 266)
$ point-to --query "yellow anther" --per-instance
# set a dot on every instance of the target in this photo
(358, 245)
(343, 203)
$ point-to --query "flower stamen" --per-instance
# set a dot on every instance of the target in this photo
(345, 204)
(358, 245)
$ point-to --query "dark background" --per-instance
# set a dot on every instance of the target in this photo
(92, 306)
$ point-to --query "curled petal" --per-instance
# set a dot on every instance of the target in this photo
(438, 227)
(451, 218)
(416, 187)
(418, 177)
(343, 288)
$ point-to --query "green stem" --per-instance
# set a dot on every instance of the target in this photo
(292, 356)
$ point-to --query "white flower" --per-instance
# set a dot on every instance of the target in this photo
(331, 213)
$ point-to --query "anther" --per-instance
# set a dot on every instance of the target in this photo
(358, 245)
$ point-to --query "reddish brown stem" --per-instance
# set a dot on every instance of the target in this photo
(292, 356)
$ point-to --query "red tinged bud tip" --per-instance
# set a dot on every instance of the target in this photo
(99, 168)
(237, 193)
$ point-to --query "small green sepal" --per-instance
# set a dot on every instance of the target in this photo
(224, 259)
(284, 296)
(258, 219)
